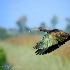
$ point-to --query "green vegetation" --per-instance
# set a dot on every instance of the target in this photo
(3, 33)
(2, 58)
(24, 58)
(54, 21)
(67, 29)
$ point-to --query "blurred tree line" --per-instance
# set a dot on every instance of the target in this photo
(54, 21)
(67, 29)
(23, 29)
(3, 33)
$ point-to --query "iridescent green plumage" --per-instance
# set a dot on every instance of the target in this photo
(51, 41)
(45, 42)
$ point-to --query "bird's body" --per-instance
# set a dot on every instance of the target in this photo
(51, 41)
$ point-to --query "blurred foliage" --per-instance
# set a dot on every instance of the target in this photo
(2, 58)
(43, 25)
(23, 29)
(3, 33)
(54, 21)
(22, 24)
(67, 29)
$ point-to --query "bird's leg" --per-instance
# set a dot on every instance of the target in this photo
(44, 30)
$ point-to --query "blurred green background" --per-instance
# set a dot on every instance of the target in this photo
(17, 17)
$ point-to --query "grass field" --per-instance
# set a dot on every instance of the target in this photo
(21, 55)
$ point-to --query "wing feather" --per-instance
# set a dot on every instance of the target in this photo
(51, 48)
(51, 41)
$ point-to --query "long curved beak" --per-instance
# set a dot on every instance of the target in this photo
(44, 30)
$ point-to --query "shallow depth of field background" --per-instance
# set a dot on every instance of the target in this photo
(16, 44)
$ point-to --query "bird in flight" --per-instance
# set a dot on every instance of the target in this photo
(51, 41)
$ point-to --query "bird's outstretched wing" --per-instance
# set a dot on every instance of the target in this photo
(47, 45)
(44, 44)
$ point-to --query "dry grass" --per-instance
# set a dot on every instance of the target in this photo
(26, 40)
(30, 41)
(64, 50)
(24, 58)
(20, 53)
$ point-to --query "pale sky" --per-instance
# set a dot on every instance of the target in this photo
(37, 11)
